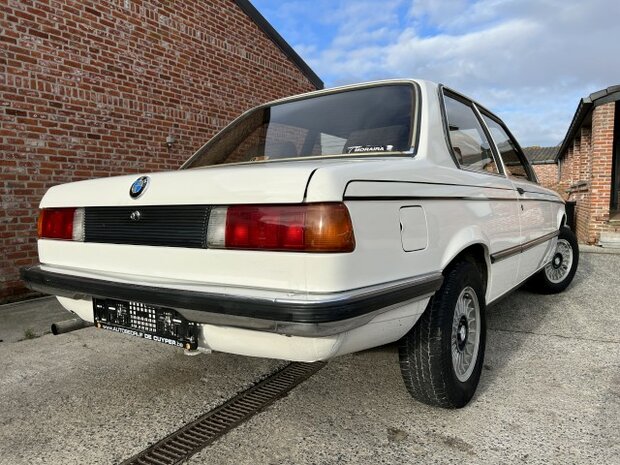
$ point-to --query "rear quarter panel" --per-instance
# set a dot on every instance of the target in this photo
(461, 208)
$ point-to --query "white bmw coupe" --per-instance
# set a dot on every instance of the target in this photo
(315, 226)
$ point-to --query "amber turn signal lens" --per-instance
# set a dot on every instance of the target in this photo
(328, 228)
(40, 221)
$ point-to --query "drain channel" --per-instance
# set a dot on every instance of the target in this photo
(185, 442)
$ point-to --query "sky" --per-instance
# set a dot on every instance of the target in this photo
(528, 61)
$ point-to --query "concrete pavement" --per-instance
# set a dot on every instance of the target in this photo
(30, 318)
(550, 393)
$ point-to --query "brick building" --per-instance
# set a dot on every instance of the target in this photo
(589, 167)
(543, 160)
(92, 89)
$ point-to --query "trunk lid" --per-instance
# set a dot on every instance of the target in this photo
(257, 183)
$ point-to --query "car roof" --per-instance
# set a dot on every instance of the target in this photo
(359, 85)
(362, 85)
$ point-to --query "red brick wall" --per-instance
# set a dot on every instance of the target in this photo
(565, 171)
(586, 174)
(581, 193)
(600, 181)
(547, 175)
(91, 89)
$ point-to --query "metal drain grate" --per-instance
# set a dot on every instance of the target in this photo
(198, 434)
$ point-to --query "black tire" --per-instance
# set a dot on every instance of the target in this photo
(541, 282)
(426, 351)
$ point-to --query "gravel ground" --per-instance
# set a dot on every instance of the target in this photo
(550, 393)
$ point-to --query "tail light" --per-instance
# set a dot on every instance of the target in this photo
(321, 227)
(61, 223)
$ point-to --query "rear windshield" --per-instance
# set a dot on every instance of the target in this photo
(368, 120)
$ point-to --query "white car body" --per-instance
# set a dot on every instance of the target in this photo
(412, 215)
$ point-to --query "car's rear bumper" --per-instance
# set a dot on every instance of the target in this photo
(309, 314)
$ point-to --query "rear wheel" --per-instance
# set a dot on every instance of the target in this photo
(441, 357)
(560, 271)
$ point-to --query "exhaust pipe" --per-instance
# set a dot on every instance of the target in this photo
(69, 325)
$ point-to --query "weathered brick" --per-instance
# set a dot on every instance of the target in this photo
(589, 162)
(547, 174)
(92, 90)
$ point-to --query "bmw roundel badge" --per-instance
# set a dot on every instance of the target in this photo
(138, 187)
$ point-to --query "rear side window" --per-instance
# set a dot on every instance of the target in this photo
(515, 166)
(469, 142)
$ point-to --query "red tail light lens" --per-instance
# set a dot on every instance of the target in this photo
(61, 223)
(310, 228)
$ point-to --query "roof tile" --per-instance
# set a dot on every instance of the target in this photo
(540, 155)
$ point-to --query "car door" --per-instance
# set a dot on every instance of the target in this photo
(535, 205)
(493, 206)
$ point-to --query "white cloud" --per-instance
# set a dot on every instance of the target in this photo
(528, 60)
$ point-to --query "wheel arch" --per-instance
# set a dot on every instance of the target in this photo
(475, 249)
(562, 219)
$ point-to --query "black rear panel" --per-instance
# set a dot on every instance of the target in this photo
(168, 226)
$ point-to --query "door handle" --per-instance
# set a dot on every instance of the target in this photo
(520, 190)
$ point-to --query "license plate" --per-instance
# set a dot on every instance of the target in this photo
(150, 322)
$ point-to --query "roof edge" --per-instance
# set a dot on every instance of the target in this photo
(587, 104)
(268, 29)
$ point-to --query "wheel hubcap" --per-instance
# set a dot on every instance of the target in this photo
(559, 267)
(465, 334)
(461, 334)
